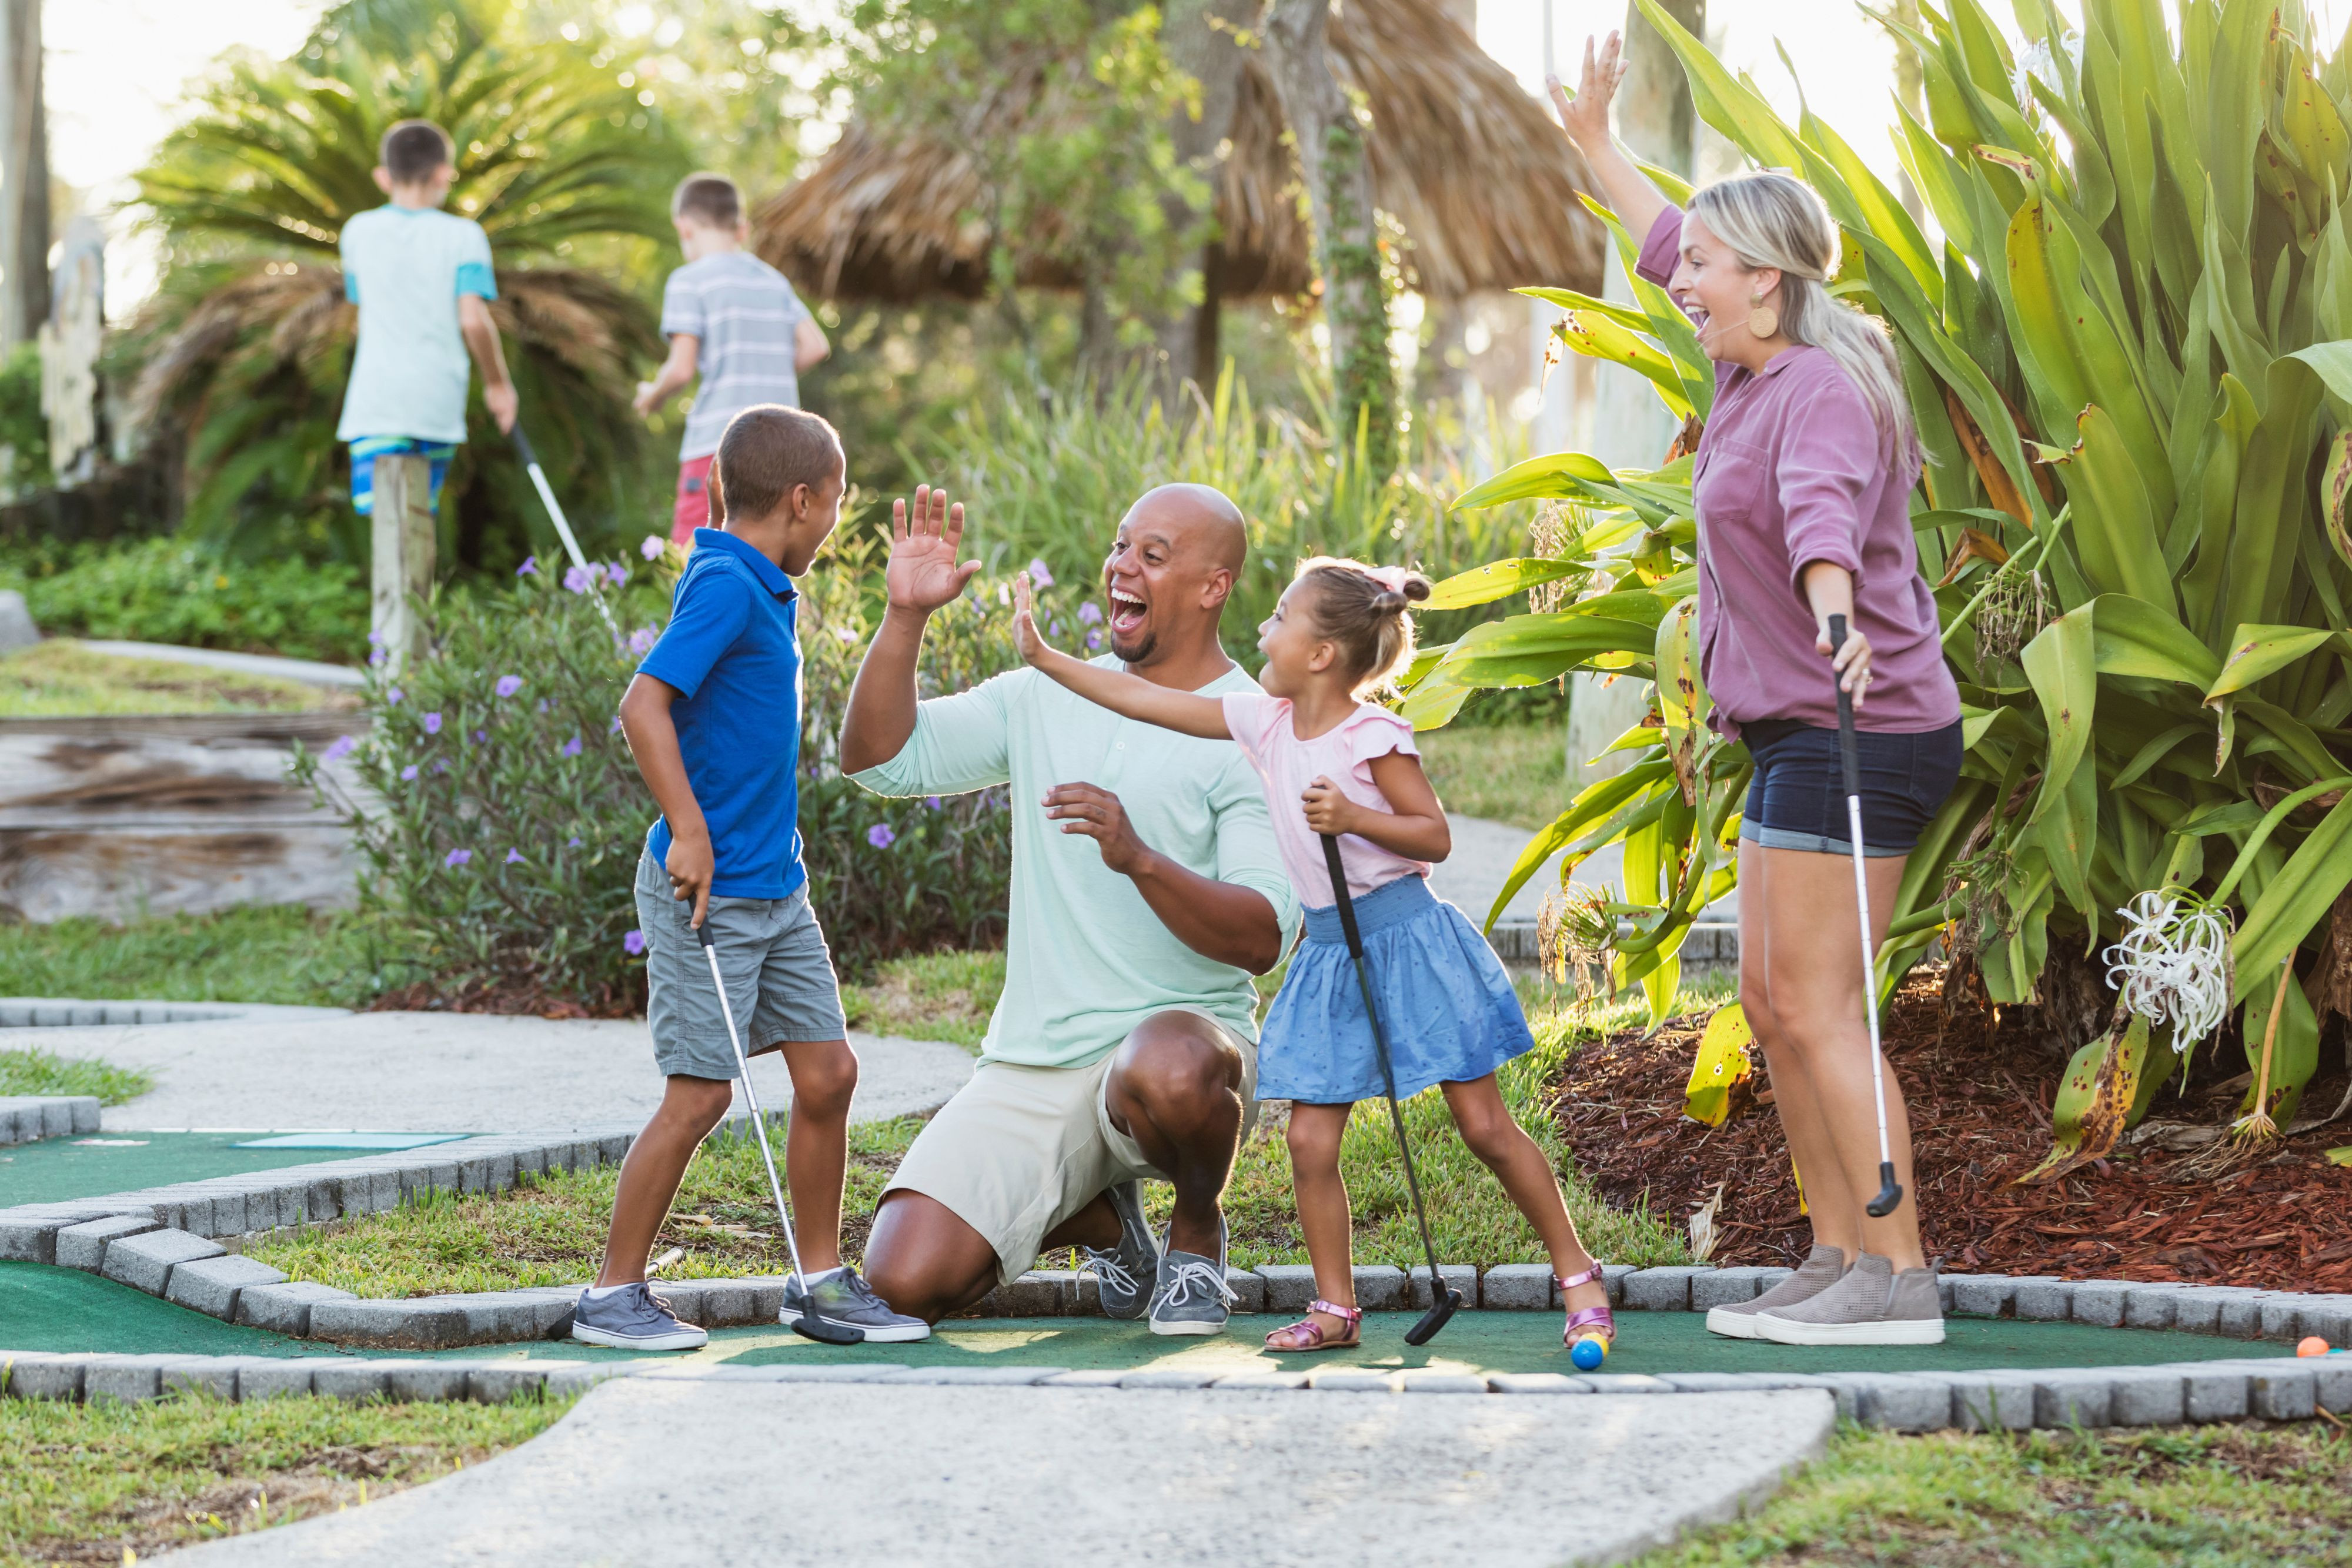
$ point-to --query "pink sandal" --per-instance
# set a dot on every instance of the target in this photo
(1308, 1334)
(1593, 1321)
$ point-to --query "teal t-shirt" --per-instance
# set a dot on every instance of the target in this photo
(405, 267)
(1086, 959)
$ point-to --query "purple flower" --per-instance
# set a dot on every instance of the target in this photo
(440, 765)
(514, 857)
(409, 772)
(652, 546)
(376, 657)
(931, 802)
(459, 857)
(642, 639)
(880, 836)
(579, 578)
(569, 748)
(573, 844)
(391, 697)
(1094, 641)
(375, 639)
(507, 686)
(542, 704)
(432, 723)
(529, 566)
(617, 575)
(481, 736)
(1038, 575)
(1090, 612)
(343, 746)
(633, 943)
(616, 725)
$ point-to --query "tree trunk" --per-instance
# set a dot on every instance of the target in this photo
(1655, 114)
(24, 176)
(1337, 170)
(1207, 53)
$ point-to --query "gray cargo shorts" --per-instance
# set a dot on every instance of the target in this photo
(779, 977)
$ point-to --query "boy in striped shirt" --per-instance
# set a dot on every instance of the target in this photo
(734, 320)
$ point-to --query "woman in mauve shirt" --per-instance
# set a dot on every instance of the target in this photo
(1803, 480)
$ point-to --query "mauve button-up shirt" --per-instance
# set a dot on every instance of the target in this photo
(1793, 470)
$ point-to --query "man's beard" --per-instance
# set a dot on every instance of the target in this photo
(1139, 652)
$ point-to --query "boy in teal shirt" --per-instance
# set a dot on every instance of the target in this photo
(423, 282)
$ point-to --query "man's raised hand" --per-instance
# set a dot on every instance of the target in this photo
(923, 573)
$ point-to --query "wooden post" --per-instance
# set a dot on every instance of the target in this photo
(24, 176)
(402, 537)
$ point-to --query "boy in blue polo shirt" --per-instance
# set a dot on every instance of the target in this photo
(713, 720)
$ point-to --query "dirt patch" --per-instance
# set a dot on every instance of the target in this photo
(514, 998)
(1979, 1098)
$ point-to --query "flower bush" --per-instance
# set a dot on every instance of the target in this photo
(500, 816)
(165, 590)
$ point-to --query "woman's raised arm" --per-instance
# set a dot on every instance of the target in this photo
(1585, 117)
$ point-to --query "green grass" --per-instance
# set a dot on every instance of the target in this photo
(95, 1483)
(551, 1232)
(2219, 1497)
(41, 1073)
(931, 996)
(258, 953)
(1515, 773)
(61, 678)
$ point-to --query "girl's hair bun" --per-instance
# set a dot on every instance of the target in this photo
(1388, 603)
(1367, 609)
(1416, 587)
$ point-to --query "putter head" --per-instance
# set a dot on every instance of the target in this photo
(823, 1332)
(1441, 1311)
(1890, 1192)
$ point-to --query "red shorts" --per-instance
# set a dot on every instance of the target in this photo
(693, 511)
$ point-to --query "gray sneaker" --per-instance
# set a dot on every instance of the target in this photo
(1125, 1276)
(1823, 1268)
(1872, 1305)
(632, 1318)
(844, 1298)
(1191, 1296)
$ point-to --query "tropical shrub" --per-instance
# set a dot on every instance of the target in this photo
(2129, 364)
(174, 591)
(500, 817)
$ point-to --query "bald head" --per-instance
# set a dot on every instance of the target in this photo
(1180, 549)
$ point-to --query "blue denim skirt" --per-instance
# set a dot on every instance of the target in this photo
(1447, 1009)
(1797, 798)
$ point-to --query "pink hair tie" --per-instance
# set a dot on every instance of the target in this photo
(1391, 578)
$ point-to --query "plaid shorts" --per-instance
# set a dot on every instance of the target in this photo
(368, 448)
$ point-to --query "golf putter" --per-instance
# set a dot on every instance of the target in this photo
(1445, 1301)
(530, 457)
(1890, 1191)
(808, 1325)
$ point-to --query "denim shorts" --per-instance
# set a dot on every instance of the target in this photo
(779, 977)
(1797, 798)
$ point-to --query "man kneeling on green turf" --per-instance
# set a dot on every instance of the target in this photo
(713, 719)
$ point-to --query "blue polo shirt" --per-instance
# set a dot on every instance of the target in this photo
(733, 657)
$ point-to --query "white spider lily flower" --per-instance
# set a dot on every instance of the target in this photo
(2172, 965)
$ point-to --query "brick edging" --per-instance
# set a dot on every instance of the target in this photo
(2187, 1392)
(25, 1118)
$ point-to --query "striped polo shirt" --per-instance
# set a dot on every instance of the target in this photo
(744, 312)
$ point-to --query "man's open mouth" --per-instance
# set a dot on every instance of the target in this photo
(1127, 613)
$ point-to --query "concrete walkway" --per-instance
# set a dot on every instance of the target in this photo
(309, 672)
(446, 1073)
(649, 1470)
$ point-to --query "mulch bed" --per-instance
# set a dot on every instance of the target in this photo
(1980, 1096)
(513, 998)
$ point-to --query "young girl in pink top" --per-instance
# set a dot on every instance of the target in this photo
(1343, 630)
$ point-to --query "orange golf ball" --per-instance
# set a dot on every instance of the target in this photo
(2315, 1345)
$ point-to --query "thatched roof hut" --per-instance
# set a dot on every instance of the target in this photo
(1472, 167)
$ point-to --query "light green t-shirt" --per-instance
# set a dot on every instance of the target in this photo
(1086, 959)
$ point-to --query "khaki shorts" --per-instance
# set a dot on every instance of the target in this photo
(1020, 1149)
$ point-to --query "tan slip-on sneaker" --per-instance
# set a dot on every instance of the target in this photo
(1872, 1305)
(1821, 1269)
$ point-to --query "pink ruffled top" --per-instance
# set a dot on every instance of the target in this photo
(1262, 725)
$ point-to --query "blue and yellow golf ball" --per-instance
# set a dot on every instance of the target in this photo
(1588, 1352)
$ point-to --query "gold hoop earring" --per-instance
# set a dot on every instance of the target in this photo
(1762, 319)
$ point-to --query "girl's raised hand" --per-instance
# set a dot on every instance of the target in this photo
(1327, 810)
(1025, 635)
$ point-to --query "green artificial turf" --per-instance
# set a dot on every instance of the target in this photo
(50, 1309)
(57, 1169)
